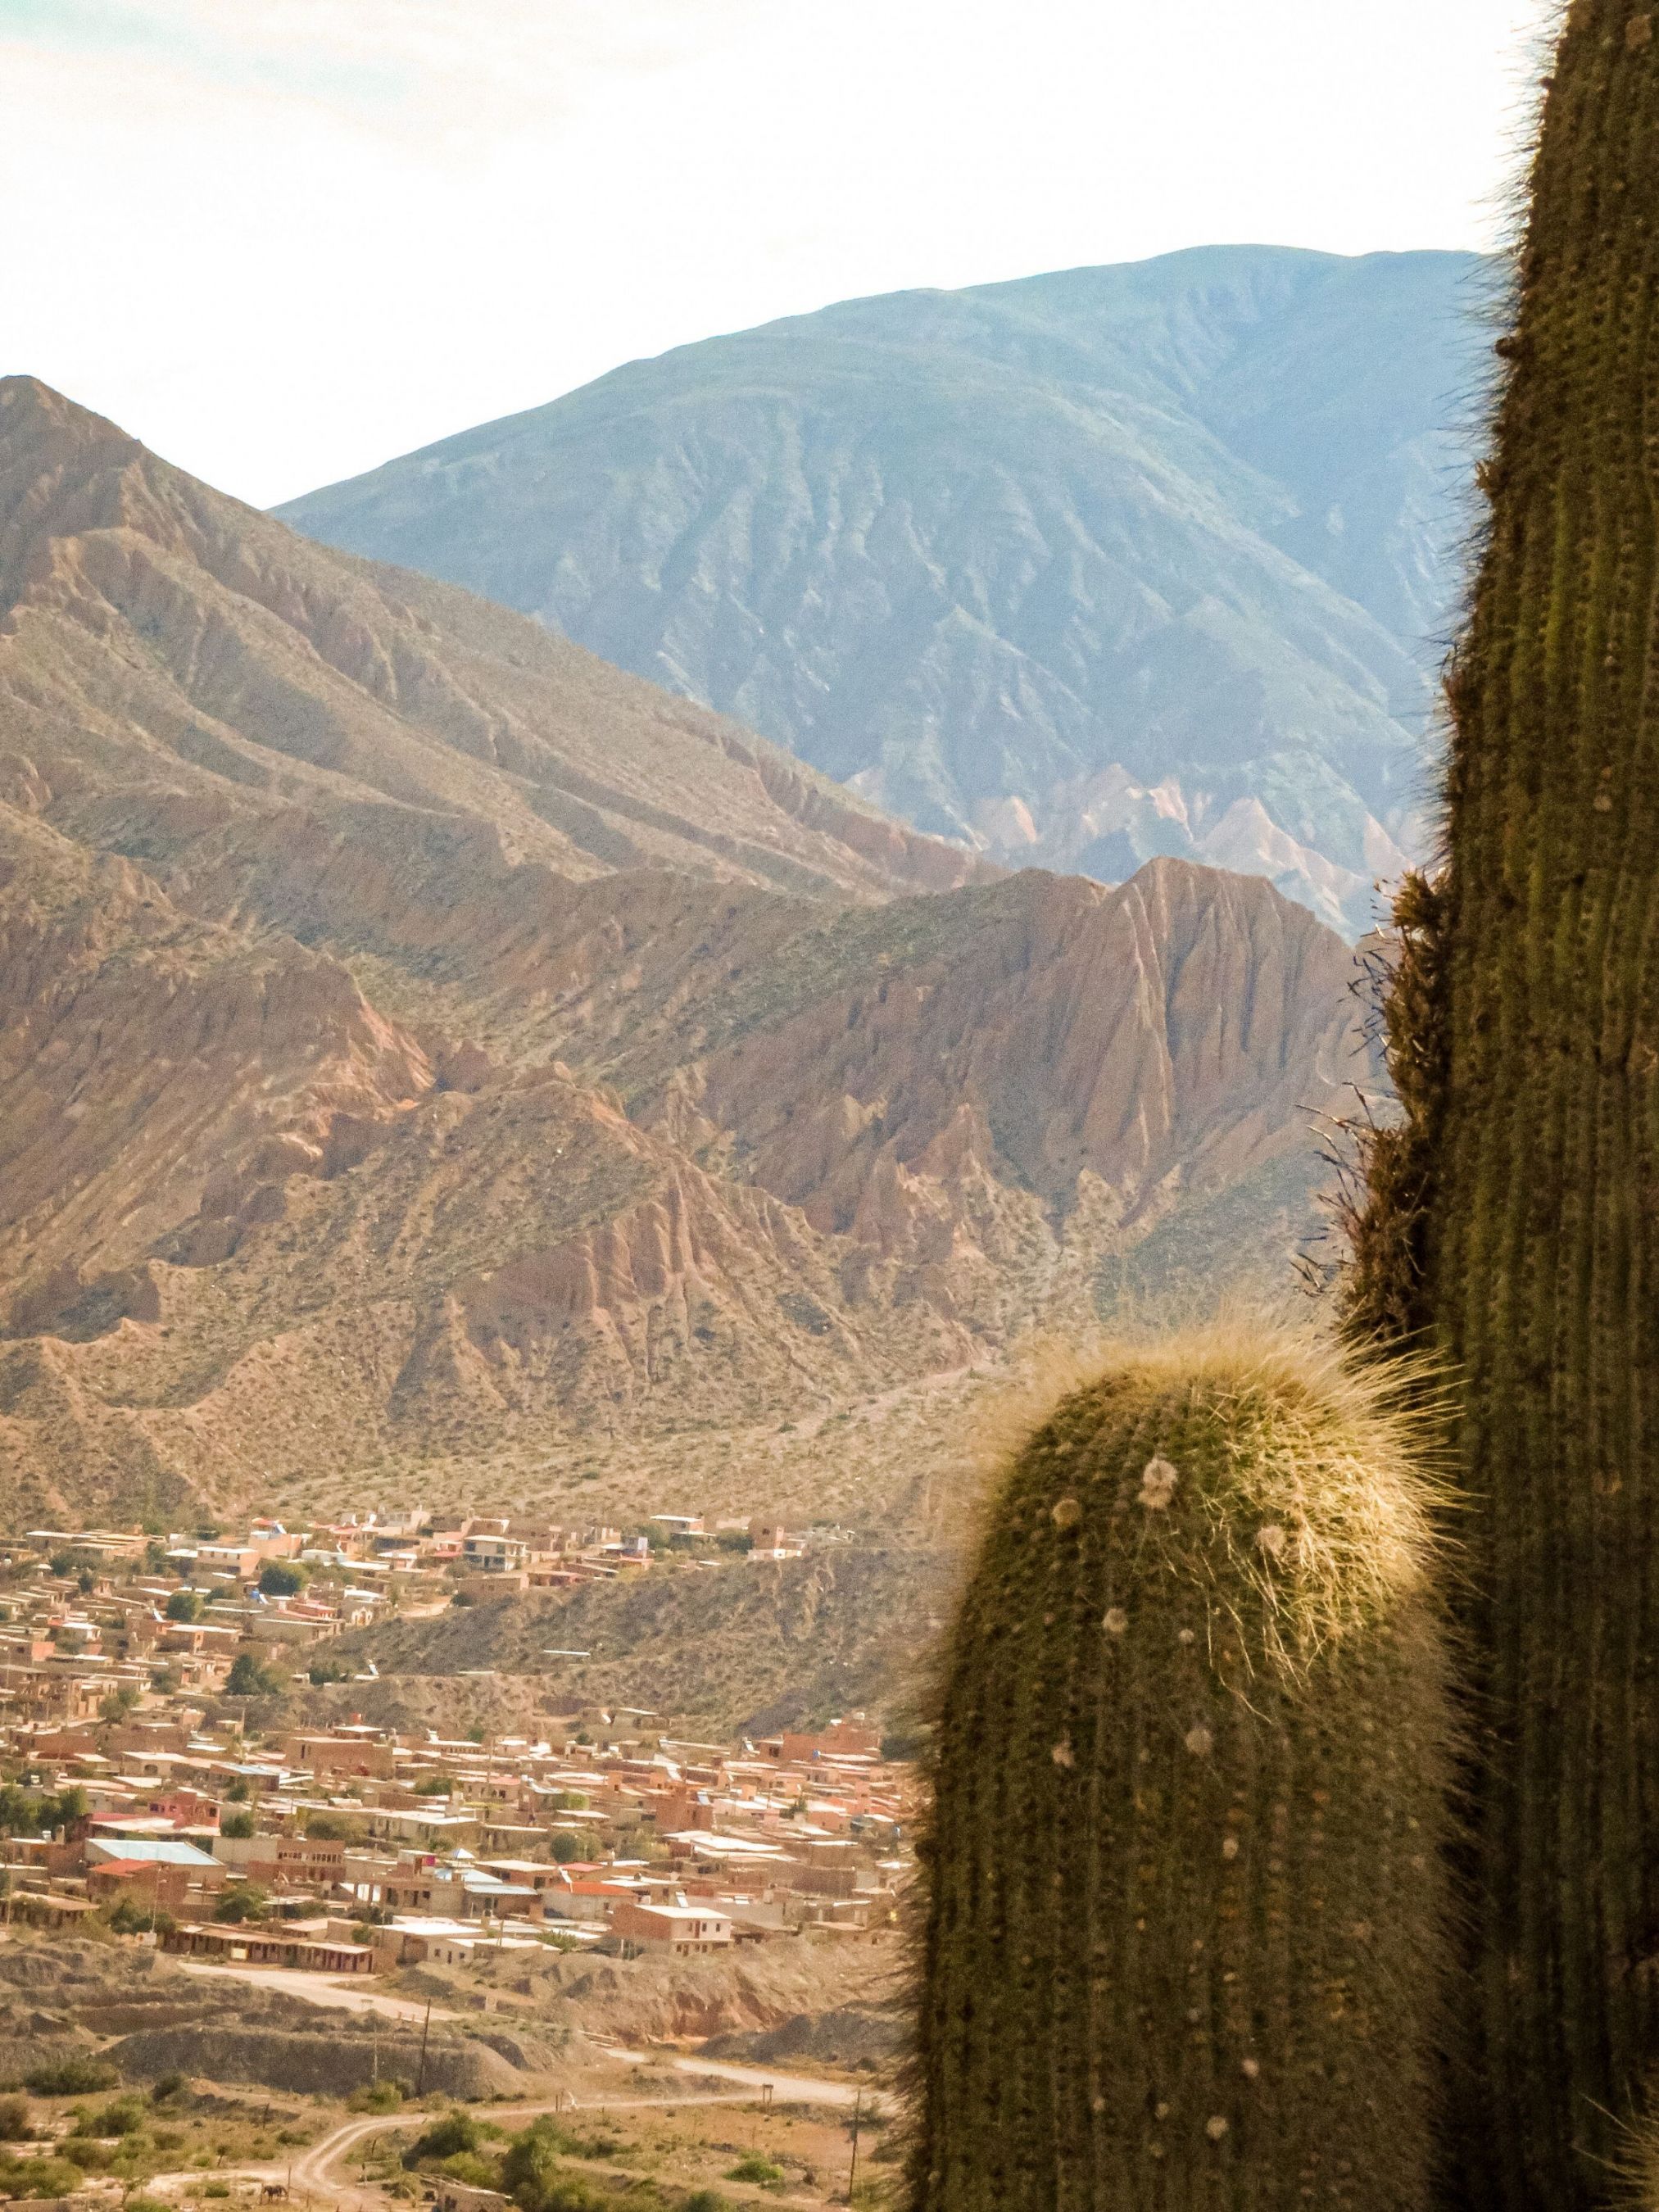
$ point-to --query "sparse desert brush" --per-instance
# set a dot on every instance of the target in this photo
(1191, 1748)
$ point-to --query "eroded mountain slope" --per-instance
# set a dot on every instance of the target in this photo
(1086, 567)
(166, 645)
(376, 1118)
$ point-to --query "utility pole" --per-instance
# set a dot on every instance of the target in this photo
(426, 2030)
(857, 2114)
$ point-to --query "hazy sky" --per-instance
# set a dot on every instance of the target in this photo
(284, 239)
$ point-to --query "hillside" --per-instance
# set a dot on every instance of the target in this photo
(376, 1120)
(182, 672)
(1084, 568)
(742, 1648)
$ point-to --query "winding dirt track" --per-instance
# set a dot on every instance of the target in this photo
(315, 2172)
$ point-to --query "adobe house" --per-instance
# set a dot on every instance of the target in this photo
(678, 1928)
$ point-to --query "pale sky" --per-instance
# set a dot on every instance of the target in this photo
(281, 241)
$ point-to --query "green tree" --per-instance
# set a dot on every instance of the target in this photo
(452, 2132)
(245, 1901)
(248, 1678)
(282, 1578)
(184, 1605)
(22, 1811)
(239, 1826)
(535, 2177)
(337, 1828)
(132, 1917)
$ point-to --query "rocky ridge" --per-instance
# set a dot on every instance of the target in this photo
(432, 1059)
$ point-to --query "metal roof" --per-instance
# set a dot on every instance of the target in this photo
(150, 1850)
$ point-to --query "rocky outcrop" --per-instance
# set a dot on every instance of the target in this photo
(857, 2039)
(141, 1051)
(655, 2000)
(1178, 1025)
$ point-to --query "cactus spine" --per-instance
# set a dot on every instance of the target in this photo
(1515, 1216)
(1183, 1879)
(1639, 2167)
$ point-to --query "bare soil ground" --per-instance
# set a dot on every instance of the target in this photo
(641, 2002)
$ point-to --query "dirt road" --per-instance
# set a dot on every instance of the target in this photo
(318, 1990)
(786, 2088)
(316, 2172)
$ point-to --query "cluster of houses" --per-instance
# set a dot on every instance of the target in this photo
(88, 1615)
(355, 1848)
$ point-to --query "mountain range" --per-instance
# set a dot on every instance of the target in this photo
(433, 1062)
(1077, 570)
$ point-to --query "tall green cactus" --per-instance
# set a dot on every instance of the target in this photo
(1515, 1217)
(1183, 1930)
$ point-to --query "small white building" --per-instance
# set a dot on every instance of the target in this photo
(487, 1553)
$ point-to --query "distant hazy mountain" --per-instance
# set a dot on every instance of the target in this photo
(1122, 561)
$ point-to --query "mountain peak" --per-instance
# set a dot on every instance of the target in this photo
(30, 409)
(1066, 567)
